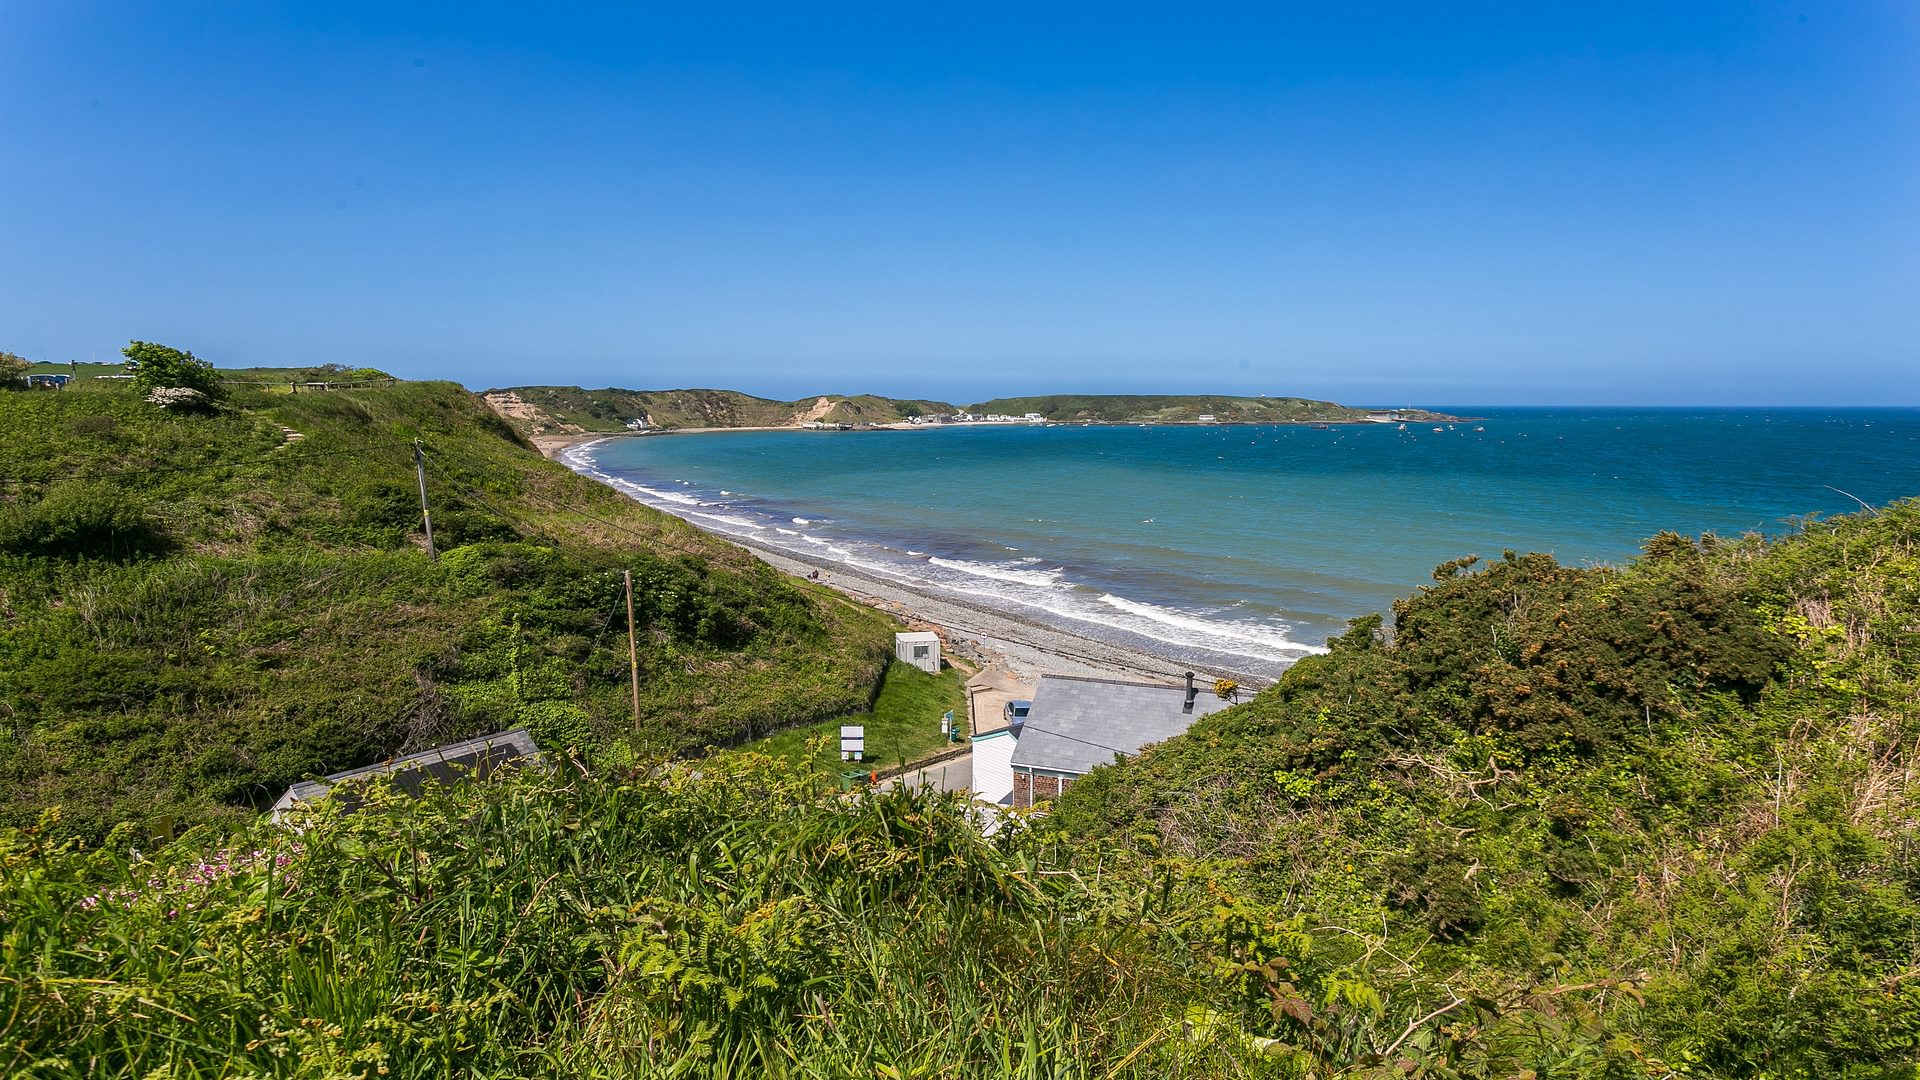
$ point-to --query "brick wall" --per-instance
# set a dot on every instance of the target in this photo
(1031, 787)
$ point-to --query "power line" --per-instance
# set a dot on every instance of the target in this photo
(1028, 726)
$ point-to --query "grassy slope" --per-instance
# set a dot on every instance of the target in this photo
(903, 725)
(195, 612)
(725, 923)
(1650, 819)
(567, 407)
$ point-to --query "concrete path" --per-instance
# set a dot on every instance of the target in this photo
(952, 775)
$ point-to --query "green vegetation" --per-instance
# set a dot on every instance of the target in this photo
(12, 367)
(160, 367)
(1175, 409)
(542, 410)
(198, 610)
(730, 922)
(1647, 821)
(1655, 820)
(903, 725)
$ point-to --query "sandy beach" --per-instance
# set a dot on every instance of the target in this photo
(1024, 647)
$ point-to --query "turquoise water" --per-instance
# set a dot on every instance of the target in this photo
(1245, 547)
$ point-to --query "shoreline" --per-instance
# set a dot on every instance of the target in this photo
(1026, 647)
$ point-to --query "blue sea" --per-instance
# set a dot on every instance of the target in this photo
(1246, 547)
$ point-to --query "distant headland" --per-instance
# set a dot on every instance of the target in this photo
(565, 413)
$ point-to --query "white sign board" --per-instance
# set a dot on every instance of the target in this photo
(853, 742)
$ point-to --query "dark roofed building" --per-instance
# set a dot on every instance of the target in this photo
(1077, 724)
(473, 758)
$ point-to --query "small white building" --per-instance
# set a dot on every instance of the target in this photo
(919, 648)
(992, 759)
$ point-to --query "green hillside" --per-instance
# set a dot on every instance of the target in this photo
(1650, 821)
(1646, 821)
(1552, 823)
(543, 410)
(1172, 409)
(197, 610)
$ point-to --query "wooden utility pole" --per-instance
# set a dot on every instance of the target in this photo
(426, 515)
(633, 653)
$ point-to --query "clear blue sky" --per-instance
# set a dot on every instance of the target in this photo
(1431, 202)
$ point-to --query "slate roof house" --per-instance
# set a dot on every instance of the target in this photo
(475, 757)
(1077, 724)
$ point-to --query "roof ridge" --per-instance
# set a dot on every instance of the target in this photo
(1118, 682)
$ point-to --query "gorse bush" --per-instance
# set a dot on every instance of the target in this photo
(78, 519)
(1648, 820)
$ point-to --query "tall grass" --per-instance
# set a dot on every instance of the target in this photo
(725, 923)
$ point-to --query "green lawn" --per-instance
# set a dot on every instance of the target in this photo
(904, 723)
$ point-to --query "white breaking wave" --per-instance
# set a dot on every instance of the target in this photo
(801, 521)
(728, 519)
(1044, 579)
(1242, 632)
(664, 496)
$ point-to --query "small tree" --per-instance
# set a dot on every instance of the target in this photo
(156, 367)
(13, 369)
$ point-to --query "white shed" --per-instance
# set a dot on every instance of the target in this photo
(992, 755)
(921, 649)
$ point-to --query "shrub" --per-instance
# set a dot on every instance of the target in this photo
(154, 367)
(79, 519)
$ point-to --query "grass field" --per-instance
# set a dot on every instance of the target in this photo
(904, 724)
